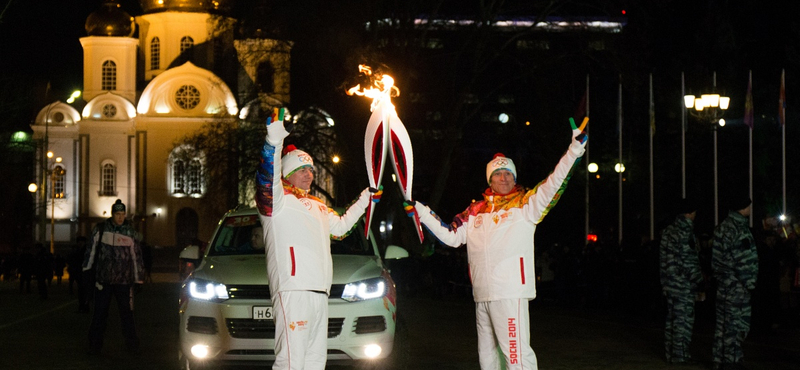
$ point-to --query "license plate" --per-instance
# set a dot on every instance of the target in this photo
(262, 313)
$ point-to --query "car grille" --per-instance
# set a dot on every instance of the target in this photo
(269, 352)
(370, 324)
(265, 329)
(248, 291)
(202, 325)
(262, 291)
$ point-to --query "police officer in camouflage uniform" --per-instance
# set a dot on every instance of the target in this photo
(735, 263)
(680, 277)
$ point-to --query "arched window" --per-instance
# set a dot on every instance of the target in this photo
(265, 75)
(59, 182)
(186, 176)
(178, 177)
(155, 53)
(109, 75)
(108, 179)
(194, 177)
(187, 42)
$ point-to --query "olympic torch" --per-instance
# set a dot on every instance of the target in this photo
(386, 133)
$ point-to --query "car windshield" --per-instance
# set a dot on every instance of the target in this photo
(244, 235)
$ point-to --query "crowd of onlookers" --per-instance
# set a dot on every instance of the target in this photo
(37, 263)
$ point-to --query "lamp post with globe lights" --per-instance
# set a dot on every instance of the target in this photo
(709, 109)
(56, 172)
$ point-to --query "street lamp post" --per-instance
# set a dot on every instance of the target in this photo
(710, 108)
(56, 171)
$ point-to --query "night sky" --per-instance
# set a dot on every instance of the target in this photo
(39, 44)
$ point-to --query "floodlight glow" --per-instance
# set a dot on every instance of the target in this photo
(721, 122)
(592, 167)
(619, 167)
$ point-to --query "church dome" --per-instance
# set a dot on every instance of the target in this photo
(110, 20)
(199, 6)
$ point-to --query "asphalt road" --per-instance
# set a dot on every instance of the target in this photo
(434, 333)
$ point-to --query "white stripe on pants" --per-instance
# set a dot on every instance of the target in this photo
(504, 325)
(301, 330)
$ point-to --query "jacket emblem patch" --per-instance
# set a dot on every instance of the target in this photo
(299, 325)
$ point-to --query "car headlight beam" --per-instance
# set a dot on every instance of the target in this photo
(365, 289)
(207, 290)
(372, 351)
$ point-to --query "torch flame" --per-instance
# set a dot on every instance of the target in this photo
(382, 87)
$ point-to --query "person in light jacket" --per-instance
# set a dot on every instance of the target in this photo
(297, 231)
(498, 232)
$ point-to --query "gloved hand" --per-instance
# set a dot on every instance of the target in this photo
(578, 133)
(277, 130)
(375, 194)
(409, 207)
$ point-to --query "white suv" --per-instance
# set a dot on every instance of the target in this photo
(226, 312)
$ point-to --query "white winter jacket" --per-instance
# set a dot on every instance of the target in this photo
(298, 228)
(498, 232)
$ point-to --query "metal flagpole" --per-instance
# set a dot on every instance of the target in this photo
(716, 177)
(749, 85)
(619, 173)
(683, 139)
(586, 155)
(783, 134)
(652, 179)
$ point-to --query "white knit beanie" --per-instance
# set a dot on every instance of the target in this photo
(293, 159)
(500, 162)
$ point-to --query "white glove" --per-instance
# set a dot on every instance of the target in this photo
(579, 137)
(276, 131)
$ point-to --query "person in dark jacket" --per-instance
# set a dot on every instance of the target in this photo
(115, 254)
(76, 275)
(43, 268)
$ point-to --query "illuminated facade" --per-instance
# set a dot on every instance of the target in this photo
(145, 91)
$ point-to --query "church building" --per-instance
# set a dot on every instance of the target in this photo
(148, 82)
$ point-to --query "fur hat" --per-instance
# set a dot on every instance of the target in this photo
(294, 159)
(738, 203)
(500, 162)
(118, 206)
(686, 205)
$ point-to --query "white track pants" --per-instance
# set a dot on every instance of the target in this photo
(504, 326)
(301, 330)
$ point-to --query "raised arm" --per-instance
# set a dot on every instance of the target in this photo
(548, 192)
(269, 188)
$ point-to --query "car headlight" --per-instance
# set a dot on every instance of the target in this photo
(364, 289)
(207, 290)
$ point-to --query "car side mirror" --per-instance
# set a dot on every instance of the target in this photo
(394, 252)
(191, 252)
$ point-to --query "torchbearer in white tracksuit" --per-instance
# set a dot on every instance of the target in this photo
(297, 231)
(498, 232)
